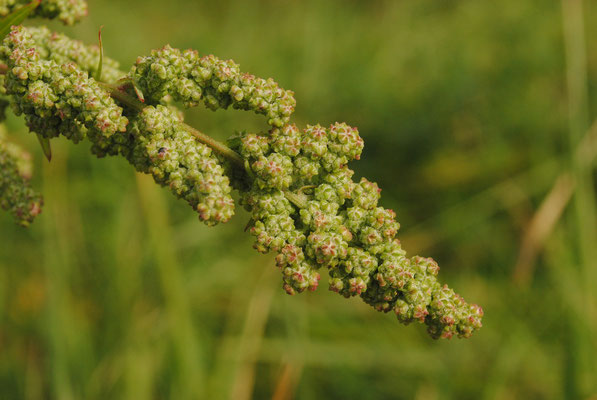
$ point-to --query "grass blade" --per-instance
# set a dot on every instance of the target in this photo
(98, 71)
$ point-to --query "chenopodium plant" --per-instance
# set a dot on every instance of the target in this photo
(295, 182)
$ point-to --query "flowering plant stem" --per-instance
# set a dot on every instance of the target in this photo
(116, 91)
(220, 148)
(296, 183)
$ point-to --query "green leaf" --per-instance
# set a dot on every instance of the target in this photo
(139, 93)
(16, 17)
(126, 81)
(45, 146)
(98, 71)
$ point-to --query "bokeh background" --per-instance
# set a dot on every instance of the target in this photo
(476, 117)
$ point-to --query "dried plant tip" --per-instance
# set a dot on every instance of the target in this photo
(100, 63)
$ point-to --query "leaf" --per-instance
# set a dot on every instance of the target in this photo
(98, 71)
(139, 93)
(16, 17)
(45, 146)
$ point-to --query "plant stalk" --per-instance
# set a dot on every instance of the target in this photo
(116, 92)
(298, 199)
(218, 147)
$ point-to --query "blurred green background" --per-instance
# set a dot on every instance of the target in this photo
(476, 119)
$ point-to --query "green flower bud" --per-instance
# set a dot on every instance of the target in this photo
(273, 171)
(305, 169)
(299, 277)
(345, 141)
(253, 146)
(189, 78)
(314, 142)
(286, 140)
(326, 248)
(341, 181)
(163, 148)
(57, 99)
(366, 194)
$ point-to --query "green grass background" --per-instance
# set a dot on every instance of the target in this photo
(470, 111)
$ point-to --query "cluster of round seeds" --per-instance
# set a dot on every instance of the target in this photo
(16, 195)
(62, 99)
(275, 229)
(56, 98)
(67, 11)
(62, 49)
(306, 208)
(163, 148)
(285, 164)
(218, 83)
(304, 204)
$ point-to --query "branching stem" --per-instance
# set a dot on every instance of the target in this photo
(298, 199)
(218, 147)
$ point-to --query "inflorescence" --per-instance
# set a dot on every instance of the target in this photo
(295, 182)
(67, 11)
(16, 194)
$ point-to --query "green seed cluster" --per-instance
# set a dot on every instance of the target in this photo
(62, 49)
(159, 145)
(57, 98)
(16, 195)
(284, 163)
(306, 208)
(67, 11)
(218, 83)
(296, 184)
(61, 99)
